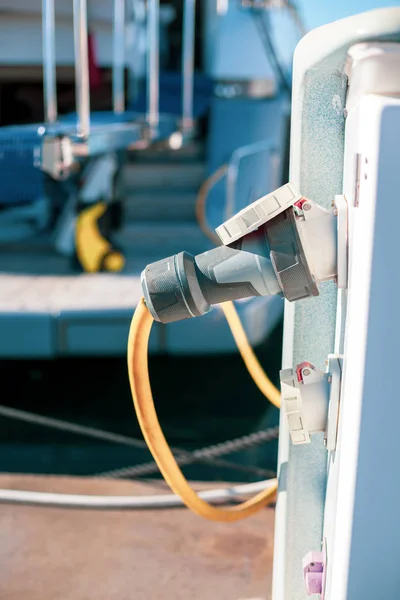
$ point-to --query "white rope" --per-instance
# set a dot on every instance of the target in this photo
(126, 502)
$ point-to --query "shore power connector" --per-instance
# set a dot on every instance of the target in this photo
(311, 400)
(283, 243)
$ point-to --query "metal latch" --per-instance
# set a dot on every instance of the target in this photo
(57, 156)
(313, 573)
(311, 400)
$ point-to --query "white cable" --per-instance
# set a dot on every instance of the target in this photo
(126, 502)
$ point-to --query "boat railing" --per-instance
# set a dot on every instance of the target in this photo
(118, 71)
(121, 130)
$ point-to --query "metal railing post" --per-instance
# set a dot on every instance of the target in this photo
(188, 45)
(118, 76)
(49, 61)
(82, 91)
(153, 62)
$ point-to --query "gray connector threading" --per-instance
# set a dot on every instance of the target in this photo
(170, 289)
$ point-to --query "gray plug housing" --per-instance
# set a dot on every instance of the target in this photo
(265, 262)
(184, 286)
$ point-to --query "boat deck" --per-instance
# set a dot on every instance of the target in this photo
(47, 310)
(171, 554)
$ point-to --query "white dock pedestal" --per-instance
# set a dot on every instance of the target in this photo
(314, 502)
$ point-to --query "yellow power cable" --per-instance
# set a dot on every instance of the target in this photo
(143, 399)
(201, 202)
(144, 405)
(252, 363)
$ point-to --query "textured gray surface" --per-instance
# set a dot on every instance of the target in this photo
(320, 179)
(310, 330)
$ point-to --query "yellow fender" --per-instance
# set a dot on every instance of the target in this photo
(94, 252)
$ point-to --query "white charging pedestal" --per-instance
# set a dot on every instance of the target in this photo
(345, 139)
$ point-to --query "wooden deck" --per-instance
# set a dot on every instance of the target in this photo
(49, 554)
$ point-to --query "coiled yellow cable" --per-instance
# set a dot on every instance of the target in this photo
(144, 405)
(143, 399)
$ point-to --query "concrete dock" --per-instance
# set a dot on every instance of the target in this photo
(70, 554)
